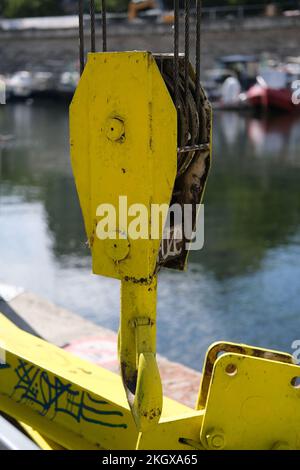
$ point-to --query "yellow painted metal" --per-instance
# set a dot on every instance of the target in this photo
(137, 346)
(252, 403)
(76, 404)
(123, 131)
(176, 433)
(220, 347)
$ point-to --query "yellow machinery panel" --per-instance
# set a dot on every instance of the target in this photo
(251, 399)
(72, 402)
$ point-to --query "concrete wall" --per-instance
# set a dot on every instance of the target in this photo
(54, 49)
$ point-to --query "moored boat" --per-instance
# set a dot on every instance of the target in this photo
(273, 90)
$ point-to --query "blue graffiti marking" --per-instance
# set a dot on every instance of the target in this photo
(51, 393)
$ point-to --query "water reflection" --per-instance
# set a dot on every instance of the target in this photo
(35, 163)
(244, 285)
(276, 137)
(252, 201)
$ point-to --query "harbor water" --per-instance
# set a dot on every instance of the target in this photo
(244, 285)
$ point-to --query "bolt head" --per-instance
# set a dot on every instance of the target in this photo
(215, 439)
(115, 129)
(117, 247)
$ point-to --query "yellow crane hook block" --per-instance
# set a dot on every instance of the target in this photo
(123, 128)
(125, 156)
(124, 152)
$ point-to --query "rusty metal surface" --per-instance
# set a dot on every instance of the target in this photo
(193, 154)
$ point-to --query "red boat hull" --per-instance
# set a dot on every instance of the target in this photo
(264, 97)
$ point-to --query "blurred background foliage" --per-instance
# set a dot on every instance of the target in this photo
(23, 8)
(27, 8)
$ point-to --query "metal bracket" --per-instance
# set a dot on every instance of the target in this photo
(250, 399)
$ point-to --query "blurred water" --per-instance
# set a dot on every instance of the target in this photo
(243, 286)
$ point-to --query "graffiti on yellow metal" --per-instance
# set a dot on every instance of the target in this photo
(50, 394)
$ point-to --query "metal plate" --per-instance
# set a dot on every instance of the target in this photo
(252, 403)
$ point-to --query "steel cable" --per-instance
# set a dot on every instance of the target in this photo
(104, 34)
(176, 54)
(186, 51)
(81, 35)
(93, 35)
(198, 51)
